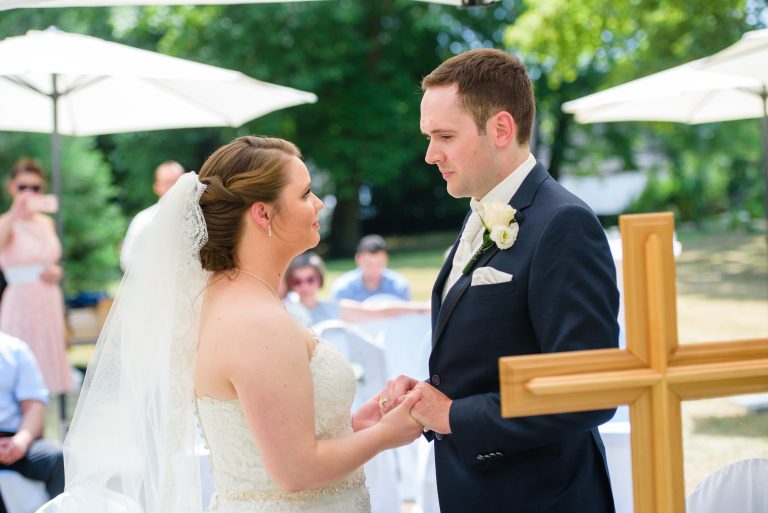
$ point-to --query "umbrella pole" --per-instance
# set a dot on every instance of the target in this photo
(56, 153)
(56, 179)
(764, 98)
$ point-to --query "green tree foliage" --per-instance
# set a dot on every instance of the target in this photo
(93, 222)
(364, 60)
(576, 48)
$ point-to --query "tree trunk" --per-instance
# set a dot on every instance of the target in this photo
(345, 227)
(559, 144)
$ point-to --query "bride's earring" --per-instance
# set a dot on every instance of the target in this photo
(270, 230)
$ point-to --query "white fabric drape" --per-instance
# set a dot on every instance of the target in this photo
(131, 445)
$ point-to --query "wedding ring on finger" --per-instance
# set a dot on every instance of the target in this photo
(383, 402)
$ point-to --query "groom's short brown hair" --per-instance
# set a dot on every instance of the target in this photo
(489, 81)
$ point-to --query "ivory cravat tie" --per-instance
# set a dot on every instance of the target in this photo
(466, 246)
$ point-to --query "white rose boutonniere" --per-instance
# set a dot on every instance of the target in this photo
(501, 228)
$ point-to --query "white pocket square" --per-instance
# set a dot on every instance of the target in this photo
(489, 276)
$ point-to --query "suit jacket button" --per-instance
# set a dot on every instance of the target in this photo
(435, 380)
(439, 436)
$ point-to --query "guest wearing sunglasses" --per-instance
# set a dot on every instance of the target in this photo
(305, 277)
(32, 307)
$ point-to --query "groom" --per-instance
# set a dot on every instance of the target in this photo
(553, 290)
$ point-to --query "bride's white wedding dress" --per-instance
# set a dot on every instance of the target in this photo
(240, 479)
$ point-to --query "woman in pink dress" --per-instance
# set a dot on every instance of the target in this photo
(32, 306)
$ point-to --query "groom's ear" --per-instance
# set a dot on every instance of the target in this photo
(503, 128)
(260, 212)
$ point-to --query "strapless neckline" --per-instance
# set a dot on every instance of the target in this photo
(241, 482)
(237, 400)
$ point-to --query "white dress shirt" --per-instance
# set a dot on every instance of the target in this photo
(472, 236)
(138, 224)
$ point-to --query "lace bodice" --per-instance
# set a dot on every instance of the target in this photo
(241, 482)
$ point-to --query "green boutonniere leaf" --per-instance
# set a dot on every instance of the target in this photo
(485, 246)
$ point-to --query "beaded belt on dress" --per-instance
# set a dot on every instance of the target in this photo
(355, 481)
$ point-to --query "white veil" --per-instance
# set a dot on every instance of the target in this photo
(131, 447)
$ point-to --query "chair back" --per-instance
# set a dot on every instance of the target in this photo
(364, 353)
(19, 494)
(739, 487)
(367, 356)
(407, 342)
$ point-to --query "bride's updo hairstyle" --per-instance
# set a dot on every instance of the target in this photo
(238, 174)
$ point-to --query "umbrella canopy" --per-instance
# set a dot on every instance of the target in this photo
(731, 84)
(52, 81)
(684, 94)
(13, 4)
(747, 57)
(103, 87)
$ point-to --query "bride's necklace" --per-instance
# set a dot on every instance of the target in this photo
(262, 281)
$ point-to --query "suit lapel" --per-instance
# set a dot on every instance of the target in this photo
(442, 276)
(451, 299)
(524, 195)
(521, 200)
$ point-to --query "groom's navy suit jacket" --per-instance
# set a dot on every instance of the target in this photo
(562, 297)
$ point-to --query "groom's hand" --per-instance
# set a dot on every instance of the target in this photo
(395, 390)
(433, 410)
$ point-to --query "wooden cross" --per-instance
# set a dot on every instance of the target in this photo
(653, 375)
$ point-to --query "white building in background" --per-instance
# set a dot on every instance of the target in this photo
(607, 194)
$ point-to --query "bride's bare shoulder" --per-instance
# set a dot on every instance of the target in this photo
(244, 321)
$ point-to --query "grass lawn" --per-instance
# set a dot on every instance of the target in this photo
(722, 286)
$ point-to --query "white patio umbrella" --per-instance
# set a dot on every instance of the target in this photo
(60, 83)
(731, 84)
(12, 4)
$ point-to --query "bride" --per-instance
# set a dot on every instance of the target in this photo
(198, 331)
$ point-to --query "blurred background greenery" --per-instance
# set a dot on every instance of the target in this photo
(361, 140)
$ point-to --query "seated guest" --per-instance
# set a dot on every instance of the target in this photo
(305, 277)
(371, 276)
(23, 397)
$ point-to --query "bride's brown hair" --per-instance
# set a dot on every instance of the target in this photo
(238, 174)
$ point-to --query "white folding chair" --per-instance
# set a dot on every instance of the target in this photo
(618, 451)
(363, 351)
(206, 478)
(426, 497)
(407, 342)
(739, 487)
(21, 495)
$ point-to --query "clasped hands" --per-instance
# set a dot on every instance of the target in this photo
(431, 409)
(12, 449)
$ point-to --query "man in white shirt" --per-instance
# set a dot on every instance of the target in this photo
(166, 175)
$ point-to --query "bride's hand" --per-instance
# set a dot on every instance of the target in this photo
(398, 426)
(367, 415)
